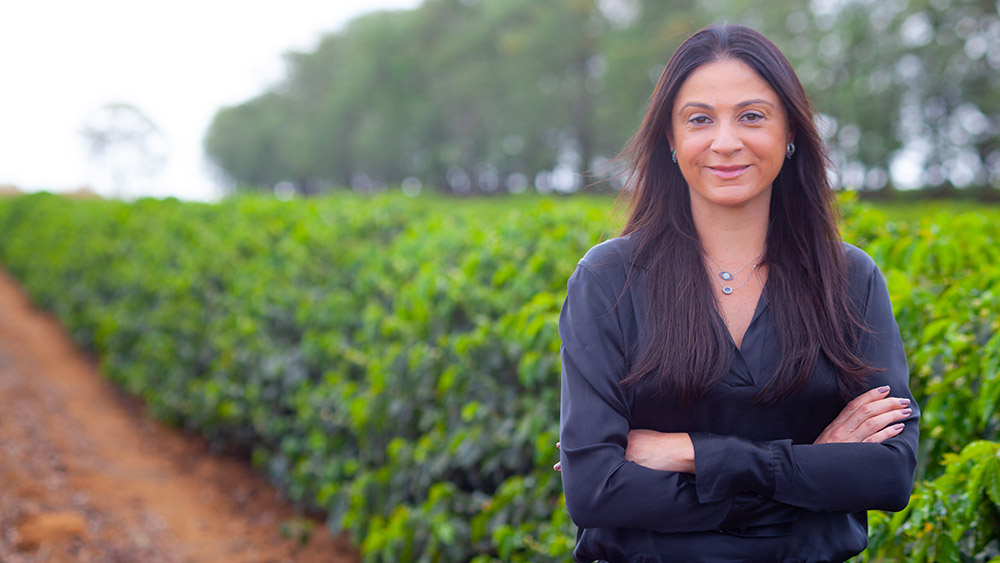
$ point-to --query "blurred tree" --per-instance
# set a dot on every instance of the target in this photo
(487, 95)
(126, 143)
(909, 90)
(246, 140)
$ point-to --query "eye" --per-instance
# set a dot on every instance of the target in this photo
(699, 119)
(753, 116)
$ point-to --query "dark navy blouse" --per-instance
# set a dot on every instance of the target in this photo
(763, 491)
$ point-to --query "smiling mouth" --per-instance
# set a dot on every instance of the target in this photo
(729, 172)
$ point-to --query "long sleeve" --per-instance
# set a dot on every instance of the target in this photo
(825, 477)
(602, 488)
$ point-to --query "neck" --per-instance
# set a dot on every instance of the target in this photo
(732, 235)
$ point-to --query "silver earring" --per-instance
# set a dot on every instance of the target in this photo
(673, 155)
(789, 150)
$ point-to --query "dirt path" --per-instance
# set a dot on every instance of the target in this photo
(85, 477)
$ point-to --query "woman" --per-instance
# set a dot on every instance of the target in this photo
(734, 385)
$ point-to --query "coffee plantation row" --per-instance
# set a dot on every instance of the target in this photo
(393, 362)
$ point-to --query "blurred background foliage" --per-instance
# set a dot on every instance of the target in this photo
(481, 96)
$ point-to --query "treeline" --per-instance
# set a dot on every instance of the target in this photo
(507, 95)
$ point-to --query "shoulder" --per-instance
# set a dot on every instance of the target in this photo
(861, 273)
(612, 253)
(608, 263)
(609, 258)
(860, 265)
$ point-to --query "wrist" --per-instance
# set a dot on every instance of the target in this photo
(684, 453)
(663, 451)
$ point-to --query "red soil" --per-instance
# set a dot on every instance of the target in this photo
(85, 476)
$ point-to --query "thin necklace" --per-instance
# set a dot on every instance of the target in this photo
(728, 277)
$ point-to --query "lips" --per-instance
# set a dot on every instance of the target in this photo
(728, 172)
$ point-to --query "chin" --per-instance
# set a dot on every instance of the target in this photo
(737, 198)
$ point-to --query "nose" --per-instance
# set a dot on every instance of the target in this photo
(727, 139)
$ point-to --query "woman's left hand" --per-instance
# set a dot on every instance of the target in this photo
(870, 417)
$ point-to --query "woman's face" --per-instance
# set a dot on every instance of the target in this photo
(730, 133)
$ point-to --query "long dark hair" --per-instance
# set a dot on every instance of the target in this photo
(807, 277)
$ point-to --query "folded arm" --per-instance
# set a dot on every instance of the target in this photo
(603, 488)
(875, 471)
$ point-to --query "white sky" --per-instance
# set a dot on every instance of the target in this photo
(178, 62)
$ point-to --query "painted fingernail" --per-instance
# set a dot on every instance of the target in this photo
(558, 466)
(897, 427)
(904, 402)
(905, 412)
(558, 444)
(883, 389)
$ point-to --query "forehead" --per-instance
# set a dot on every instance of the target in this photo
(724, 83)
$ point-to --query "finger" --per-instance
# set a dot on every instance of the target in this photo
(558, 444)
(557, 466)
(885, 434)
(876, 424)
(865, 398)
(861, 418)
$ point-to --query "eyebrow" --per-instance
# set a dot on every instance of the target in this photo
(739, 105)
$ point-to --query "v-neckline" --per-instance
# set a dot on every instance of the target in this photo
(758, 308)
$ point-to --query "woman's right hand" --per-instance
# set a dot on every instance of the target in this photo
(871, 417)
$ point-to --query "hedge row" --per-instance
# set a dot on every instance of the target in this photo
(944, 280)
(394, 362)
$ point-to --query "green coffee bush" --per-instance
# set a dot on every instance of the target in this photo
(393, 362)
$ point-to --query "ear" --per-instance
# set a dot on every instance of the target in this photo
(670, 139)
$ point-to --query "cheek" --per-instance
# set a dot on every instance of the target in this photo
(771, 148)
(691, 145)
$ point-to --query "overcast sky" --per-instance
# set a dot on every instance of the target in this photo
(178, 62)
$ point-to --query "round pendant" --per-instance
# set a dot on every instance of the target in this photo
(726, 276)
(727, 290)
